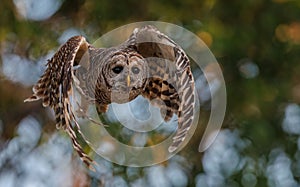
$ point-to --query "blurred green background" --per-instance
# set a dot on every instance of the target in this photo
(257, 45)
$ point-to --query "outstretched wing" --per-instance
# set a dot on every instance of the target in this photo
(54, 88)
(171, 82)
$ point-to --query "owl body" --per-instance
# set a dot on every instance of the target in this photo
(149, 64)
(114, 76)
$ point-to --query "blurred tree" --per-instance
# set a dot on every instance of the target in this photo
(257, 44)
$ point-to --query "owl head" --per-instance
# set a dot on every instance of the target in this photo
(126, 75)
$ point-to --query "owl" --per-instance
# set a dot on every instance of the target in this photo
(148, 63)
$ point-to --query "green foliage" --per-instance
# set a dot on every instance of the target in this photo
(265, 32)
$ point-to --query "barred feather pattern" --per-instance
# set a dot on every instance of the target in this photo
(186, 93)
(164, 77)
(54, 88)
(174, 86)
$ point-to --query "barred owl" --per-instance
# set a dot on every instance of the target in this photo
(148, 63)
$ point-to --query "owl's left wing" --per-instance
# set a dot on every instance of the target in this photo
(171, 83)
(55, 89)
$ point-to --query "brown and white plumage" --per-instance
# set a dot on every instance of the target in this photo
(149, 64)
(54, 88)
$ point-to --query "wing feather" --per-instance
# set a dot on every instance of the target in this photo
(173, 82)
(55, 89)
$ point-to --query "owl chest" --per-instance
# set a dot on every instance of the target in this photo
(107, 96)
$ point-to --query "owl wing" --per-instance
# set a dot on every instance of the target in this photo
(54, 88)
(171, 84)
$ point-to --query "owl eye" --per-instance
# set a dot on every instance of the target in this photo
(135, 70)
(117, 69)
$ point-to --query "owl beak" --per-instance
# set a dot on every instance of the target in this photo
(128, 80)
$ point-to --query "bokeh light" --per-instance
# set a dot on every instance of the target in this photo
(257, 46)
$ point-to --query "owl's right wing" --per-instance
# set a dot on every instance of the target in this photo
(171, 83)
(55, 87)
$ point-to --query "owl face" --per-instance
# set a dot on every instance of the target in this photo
(127, 76)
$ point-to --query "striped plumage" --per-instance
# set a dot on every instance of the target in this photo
(149, 64)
